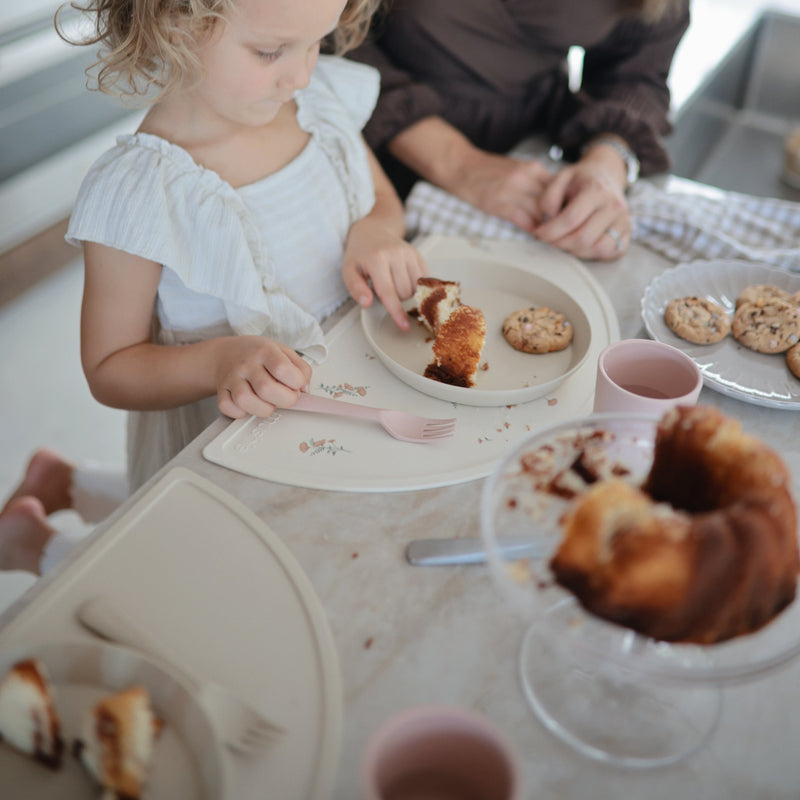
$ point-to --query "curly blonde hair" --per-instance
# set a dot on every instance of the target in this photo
(148, 45)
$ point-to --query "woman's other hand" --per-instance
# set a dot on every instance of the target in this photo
(503, 187)
(584, 210)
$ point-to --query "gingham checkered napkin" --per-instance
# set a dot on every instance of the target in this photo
(705, 223)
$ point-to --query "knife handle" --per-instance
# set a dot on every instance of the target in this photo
(471, 550)
(445, 552)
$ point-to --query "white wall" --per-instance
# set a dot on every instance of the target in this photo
(41, 195)
(14, 13)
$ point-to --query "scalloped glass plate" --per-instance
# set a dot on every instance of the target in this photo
(512, 505)
(727, 367)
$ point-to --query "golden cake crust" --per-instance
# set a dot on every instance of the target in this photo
(457, 347)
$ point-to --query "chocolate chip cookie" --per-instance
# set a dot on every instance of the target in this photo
(760, 293)
(537, 330)
(771, 327)
(697, 320)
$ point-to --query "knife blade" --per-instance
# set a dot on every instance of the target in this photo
(471, 550)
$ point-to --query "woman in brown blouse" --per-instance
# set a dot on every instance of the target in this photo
(463, 81)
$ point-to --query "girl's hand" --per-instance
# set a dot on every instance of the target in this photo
(504, 187)
(256, 375)
(585, 208)
(375, 253)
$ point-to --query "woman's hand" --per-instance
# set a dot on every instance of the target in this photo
(256, 375)
(498, 185)
(584, 209)
(504, 187)
(377, 254)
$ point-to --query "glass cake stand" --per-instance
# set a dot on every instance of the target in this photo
(607, 691)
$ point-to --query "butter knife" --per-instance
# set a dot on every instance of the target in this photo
(471, 550)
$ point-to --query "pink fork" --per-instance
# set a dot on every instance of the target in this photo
(403, 426)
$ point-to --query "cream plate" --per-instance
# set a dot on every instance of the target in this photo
(727, 367)
(498, 289)
(188, 761)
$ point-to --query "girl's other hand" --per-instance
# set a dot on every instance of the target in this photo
(256, 375)
(585, 210)
(376, 254)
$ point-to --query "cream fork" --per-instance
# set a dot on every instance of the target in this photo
(238, 724)
(401, 425)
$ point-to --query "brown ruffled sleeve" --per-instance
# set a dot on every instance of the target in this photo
(402, 101)
(625, 90)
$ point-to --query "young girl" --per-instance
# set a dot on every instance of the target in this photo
(240, 214)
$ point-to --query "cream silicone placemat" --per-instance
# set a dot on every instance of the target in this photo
(319, 451)
(228, 601)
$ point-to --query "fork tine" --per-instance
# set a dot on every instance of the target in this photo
(440, 426)
(254, 738)
(266, 728)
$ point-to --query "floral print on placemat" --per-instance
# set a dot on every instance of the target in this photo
(344, 390)
(313, 447)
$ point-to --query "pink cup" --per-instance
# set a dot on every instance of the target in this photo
(642, 376)
(439, 753)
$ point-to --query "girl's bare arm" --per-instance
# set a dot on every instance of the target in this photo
(249, 374)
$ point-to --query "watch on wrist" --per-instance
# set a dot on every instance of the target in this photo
(627, 155)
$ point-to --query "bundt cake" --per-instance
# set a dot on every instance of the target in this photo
(704, 551)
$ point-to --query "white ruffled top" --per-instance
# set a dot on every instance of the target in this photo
(259, 259)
